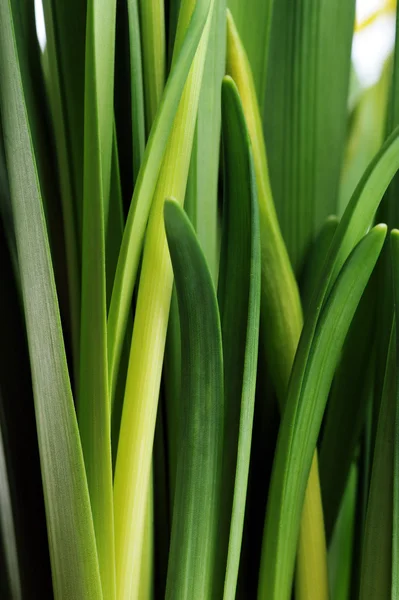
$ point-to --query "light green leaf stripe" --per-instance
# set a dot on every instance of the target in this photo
(115, 220)
(205, 171)
(69, 522)
(191, 568)
(101, 15)
(152, 20)
(93, 400)
(239, 300)
(302, 419)
(254, 19)
(136, 87)
(133, 236)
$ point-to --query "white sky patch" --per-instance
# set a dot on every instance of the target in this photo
(40, 28)
(373, 44)
(365, 8)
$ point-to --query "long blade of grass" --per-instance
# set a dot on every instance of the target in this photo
(310, 46)
(340, 553)
(145, 186)
(191, 569)
(19, 431)
(100, 35)
(115, 220)
(30, 65)
(204, 172)
(376, 574)
(93, 400)
(239, 301)
(152, 24)
(69, 520)
(149, 331)
(302, 419)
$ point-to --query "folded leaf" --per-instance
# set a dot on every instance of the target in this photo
(191, 568)
(239, 301)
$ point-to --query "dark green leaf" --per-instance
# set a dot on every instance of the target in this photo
(196, 505)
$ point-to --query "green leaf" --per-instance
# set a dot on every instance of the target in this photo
(239, 301)
(133, 236)
(19, 434)
(133, 463)
(93, 400)
(305, 116)
(341, 549)
(69, 521)
(196, 506)
(115, 220)
(376, 574)
(204, 171)
(346, 410)
(99, 70)
(307, 397)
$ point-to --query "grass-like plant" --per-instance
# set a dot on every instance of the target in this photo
(199, 381)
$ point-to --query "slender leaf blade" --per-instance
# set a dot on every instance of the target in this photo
(191, 568)
(70, 527)
(239, 300)
(93, 401)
